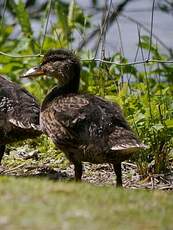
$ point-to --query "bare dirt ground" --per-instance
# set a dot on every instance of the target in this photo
(100, 175)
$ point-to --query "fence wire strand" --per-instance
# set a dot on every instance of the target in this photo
(148, 60)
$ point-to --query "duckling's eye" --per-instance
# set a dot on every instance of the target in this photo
(48, 68)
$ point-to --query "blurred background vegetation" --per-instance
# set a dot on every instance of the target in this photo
(145, 91)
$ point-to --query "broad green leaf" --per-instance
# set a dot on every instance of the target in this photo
(76, 17)
(62, 13)
(23, 17)
(158, 127)
(169, 123)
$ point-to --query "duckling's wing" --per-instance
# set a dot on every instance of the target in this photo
(87, 118)
(90, 111)
(18, 106)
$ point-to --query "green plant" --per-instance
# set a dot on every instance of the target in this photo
(145, 94)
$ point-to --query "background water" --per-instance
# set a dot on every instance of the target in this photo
(139, 10)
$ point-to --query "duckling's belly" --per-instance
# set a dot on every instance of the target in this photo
(93, 153)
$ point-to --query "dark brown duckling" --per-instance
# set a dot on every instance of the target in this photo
(19, 114)
(85, 127)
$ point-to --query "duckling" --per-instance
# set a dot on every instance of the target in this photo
(87, 128)
(19, 114)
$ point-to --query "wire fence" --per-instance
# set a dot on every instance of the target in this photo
(101, 39)
(154, 106)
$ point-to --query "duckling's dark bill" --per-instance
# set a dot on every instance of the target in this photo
(33, 72)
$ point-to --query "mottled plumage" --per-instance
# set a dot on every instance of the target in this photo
(90, 125)
(19, 114)
(85, 127)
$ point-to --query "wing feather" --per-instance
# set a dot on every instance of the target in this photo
(89, 118)
(17, 106)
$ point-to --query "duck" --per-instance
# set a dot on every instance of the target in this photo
(86, 127)
(19, 114)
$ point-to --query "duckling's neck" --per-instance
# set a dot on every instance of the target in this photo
(70, 87)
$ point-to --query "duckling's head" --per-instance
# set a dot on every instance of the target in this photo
(62, 64)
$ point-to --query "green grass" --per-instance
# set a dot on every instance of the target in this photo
(39, 203)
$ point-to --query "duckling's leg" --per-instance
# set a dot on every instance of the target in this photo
(78, 170)
(2, 150)
(118, 172)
